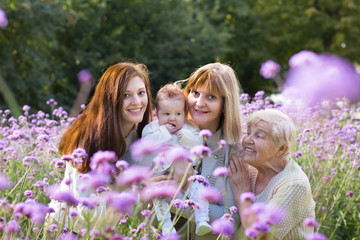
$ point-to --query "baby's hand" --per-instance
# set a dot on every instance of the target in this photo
(170, 127)
(180, 134)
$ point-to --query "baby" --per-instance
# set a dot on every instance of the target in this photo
(172, 127)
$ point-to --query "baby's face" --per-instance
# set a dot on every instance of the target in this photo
(172, 113)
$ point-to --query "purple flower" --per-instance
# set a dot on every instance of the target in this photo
(55, 193)
(133, 174)
(3, 19)
(251, 232)
(122, 202)
(68, 236)
(220, 171)
(26, 108)
(12, 227)
(73, 214)
(79, 153)
(201, 151)
(178, 154)
(159, 190)
(349, 193)
(67, 158)
(102, 161)
(222, 226)
(303, 58)
(222, 143)
(205, 133)
(96, 179)
(53, 228)
(121, 164)
(269, 69)
(199, 178)
(325, 77)
(310, 222)
(171, 236)
(211, 194)
(84, 76)
(28, 193)
(272, 216)
(233, 209)
(142, 148)
(261, 226)
(316, 236)
(4, 182)
(247, 196)
(258, 207)
(297, 154)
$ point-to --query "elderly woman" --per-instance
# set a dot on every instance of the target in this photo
(267, 170)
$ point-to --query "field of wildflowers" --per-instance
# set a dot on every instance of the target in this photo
(327, 147)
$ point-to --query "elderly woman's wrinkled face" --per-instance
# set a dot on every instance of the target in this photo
(258, 144)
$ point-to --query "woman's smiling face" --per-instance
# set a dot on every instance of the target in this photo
(205, 108)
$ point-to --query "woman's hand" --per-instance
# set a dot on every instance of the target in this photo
(239, 177)
(156, 179)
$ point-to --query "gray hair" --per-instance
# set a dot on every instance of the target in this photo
(283, 130)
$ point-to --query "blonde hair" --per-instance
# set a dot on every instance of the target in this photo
(221, 79)
(171, 91)
(282, 127)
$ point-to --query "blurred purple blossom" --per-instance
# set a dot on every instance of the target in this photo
(178, 154)
(171, 236)
(315, 78)
(199, 178)
(310, 222)
(222, 143)
(4, 182)
(103, 161)
(222, 226)
(3, 19)
(142, 148)
(247, 196)
(29, 193)
(121, 164)
(201, 151)
(211, 194)
(159, 190)
(251, 232)
(123, 201)
(84, 76)
(55, 193)
(316, 236)
(220, 171)
(349, 193)
(269, 69)
(205, 133)
(133, 174)
(12, 227)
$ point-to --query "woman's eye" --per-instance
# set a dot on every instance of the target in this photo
(141, 93)
(212, 97)
(126, 95)
(195, 93)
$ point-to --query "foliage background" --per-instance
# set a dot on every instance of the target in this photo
(48, 42)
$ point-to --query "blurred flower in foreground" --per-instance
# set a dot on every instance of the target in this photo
(4, 183)
(316, 236)
(84, 76)
(3, 19)
(313, 78)
(222, 226)
(269, 69)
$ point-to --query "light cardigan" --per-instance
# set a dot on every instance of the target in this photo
(100, 216)
(290, 189)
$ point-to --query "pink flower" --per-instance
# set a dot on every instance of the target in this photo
(159, 190)
(251, 232)
(201, 151)
(133, 174)
(349, 193)
(269, 69)
(222, 226)
(302, 58)
(171, 236)
(4, 182)
(55, 193)
(211, 194)
(122, 202)
(12, 227)
(121, 164)
(84, 76)
(29, 194)
(205, 133)
(220, 171)
(3, 19)
(199, 178)
(310, 222)
(102, 161)
(178, 154)
(316, 236)
(142, 148)
(247, 196)
(222, 143)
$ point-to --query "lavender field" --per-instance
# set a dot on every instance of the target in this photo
(327, 147)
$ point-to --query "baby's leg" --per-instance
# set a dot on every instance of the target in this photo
(163, 215)
(202, 213)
